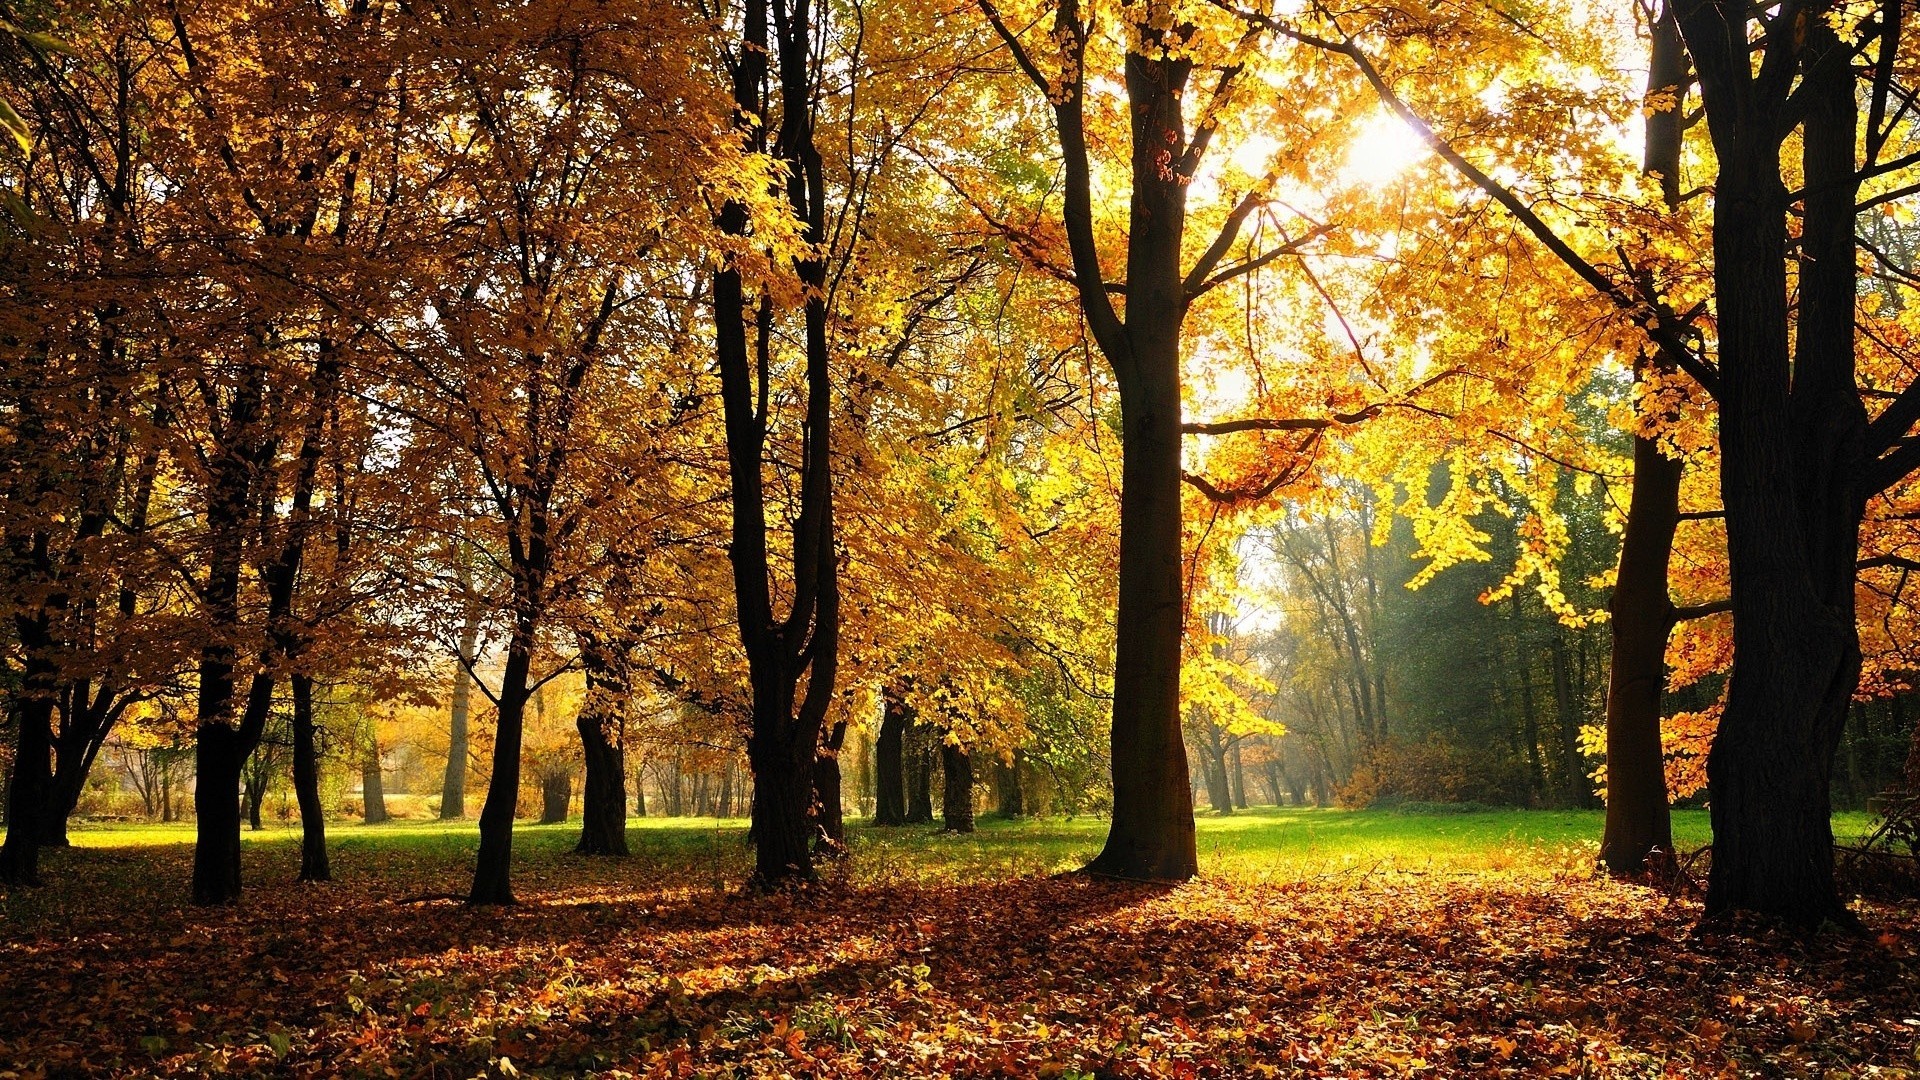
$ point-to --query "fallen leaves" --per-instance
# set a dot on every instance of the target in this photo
(619, 970)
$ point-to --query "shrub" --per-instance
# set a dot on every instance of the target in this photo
(1433, 773)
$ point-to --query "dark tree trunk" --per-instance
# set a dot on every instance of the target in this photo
(219, 755)
(889, 773)
(804, 643)
(830, 816)
(1639, 823)
(453, 789)
(1151, 836)
(1793, 450)
(306, 785)
(27, 787)
(956, 796)
(556, 793)
(492, 871)
(1575, 791)
(919, 739)
(603, 798)
(1213, 767)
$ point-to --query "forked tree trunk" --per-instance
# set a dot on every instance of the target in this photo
(306, 785)
(780, 650)
(956, 802)
(889, 772)
(1793, 433)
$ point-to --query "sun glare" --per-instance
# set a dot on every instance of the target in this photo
(1383, 149)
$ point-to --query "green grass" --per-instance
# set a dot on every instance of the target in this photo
(1265, 843)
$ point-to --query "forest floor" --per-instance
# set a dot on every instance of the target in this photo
(1317, 943)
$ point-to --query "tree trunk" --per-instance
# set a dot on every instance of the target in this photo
(453, 789)
(1006, 783)
(1151, 836)
(1788, 481)
(219, 755)
(492, 880)
(1239, 774)
(603, 798)
(1575, 791)
(306, 785)
(253, 789)
(1639, 823)
(956, 802)
(556, 793)
(27, 788)
(889, 774)
(919, 775)
(373, 792)
(830, 815)
(1213, 768)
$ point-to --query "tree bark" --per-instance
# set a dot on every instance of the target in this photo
(306, 785)
(492, 871)
(1793, 439)
(785, 728)
(829, 815)
(919, 775)
(603, 790)
(373, 792)
(890, 781)
(556, 794)
(956, 802)
(27, 788)
(1639, 823)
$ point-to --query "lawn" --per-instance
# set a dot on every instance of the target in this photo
(1318, 943)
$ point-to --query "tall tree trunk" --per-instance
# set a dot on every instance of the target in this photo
(956, 802)
(785, 728)
(453, 789)
(1213, 767)
(1792, 436)
(306, 785)
(1639, 823)
(1239, 774)
(890, 781)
